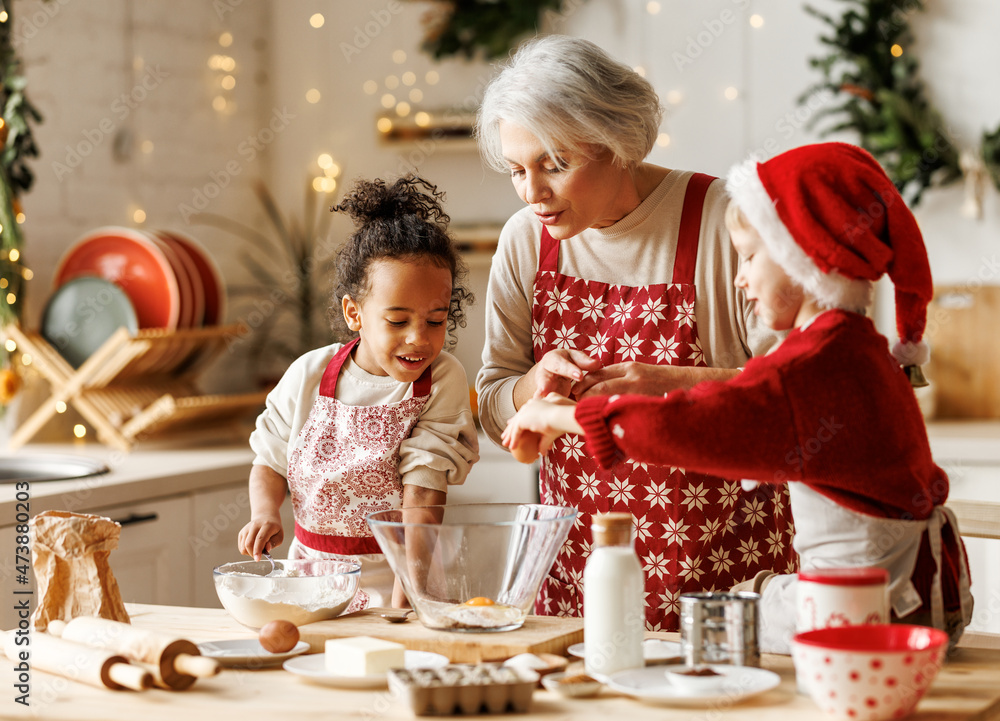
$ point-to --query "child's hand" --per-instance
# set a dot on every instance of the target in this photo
(535, 427)
(261, 534)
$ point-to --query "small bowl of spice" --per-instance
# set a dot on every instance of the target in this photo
(572, 685)
(697, 679)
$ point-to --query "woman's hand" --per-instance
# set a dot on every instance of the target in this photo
(556, 372)
(645, 379)
(540, 422)
(261, 534)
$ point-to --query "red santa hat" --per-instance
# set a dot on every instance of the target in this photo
(830, 216)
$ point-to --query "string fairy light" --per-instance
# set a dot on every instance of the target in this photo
(327, 181)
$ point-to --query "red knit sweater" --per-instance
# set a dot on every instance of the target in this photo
(829, 407)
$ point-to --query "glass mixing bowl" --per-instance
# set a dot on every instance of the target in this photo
(475, 567)
(297, 590)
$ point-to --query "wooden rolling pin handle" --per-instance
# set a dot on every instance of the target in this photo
(127, 675)
(199, 666)
(56, 628)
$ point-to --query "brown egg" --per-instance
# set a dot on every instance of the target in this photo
(526, 451)
(279, 636)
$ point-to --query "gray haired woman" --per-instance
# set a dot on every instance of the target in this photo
(617, 277)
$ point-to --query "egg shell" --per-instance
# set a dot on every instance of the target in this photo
(526, 451)
(279, 636)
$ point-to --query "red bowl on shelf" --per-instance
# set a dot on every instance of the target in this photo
(213, 286)
(192, 292)
(134, 262)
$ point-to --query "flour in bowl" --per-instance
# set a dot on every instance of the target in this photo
(255, 600)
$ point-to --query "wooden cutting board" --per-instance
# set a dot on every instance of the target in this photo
(964, 370)
(539, 634)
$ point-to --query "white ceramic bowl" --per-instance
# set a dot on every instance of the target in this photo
(301, 590)
(696, 680)
(571, 685)
(868, 673)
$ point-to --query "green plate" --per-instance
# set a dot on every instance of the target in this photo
(82, 314)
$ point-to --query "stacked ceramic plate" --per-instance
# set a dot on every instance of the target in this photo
(114, 277)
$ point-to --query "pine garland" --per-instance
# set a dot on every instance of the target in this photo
(884, 98)
(16, 146)
(481, 28)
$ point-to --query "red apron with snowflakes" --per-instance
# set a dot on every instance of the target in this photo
(694, 532)
(345, 464)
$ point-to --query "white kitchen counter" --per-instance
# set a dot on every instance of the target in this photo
(969, 452)
(151, 471)
(970, 441)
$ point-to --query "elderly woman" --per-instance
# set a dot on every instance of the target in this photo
(617, 277)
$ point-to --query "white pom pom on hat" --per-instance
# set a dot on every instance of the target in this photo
(833, 220)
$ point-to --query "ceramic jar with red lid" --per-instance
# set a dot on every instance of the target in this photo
(841, 597)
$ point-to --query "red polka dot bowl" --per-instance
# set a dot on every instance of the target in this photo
(868, 673)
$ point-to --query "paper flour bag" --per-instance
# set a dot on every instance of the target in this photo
(70, 557)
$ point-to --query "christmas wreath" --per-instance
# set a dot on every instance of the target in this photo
(883, 99)
(486, 28)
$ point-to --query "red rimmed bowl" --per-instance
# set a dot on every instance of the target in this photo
(135, 263)
(868, 673)
(211, 278)
(192, 312)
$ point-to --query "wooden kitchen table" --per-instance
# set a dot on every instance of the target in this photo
(967, 688)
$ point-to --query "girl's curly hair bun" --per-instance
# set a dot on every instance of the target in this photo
(373, 200)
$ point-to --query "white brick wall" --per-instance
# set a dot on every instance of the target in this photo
(79, 55)
(81, 58)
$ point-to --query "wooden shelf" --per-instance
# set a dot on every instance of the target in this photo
(135, 386)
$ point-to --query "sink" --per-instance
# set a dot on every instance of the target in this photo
(38, 469)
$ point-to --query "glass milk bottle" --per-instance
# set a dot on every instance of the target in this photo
(614, 619)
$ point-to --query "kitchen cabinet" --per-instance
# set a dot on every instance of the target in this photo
(148, 564)
(152, 562)
(164, 496)
(218, 516)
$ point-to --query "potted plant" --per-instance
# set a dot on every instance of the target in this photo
(291, 264)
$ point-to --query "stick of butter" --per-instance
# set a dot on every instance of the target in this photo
(363, 656)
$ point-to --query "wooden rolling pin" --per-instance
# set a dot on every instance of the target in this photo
(176, 663)
(75, 661)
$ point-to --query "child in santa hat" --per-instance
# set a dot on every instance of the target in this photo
(830, 411)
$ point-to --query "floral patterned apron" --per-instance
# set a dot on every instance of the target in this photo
(345, 465)
(694, 532)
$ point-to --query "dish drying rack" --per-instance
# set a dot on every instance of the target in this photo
(135, 386)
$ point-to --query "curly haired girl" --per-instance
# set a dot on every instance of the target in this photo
(380, 422)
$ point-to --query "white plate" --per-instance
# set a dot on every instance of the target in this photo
(313, 668)
(651, 684)
(246, 653)
(653, 649)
